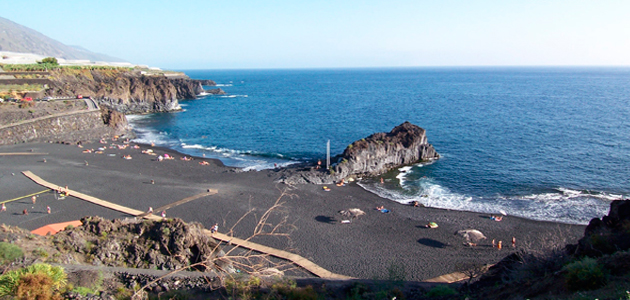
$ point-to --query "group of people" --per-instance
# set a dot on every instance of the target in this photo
(3, 207)
(499, 245)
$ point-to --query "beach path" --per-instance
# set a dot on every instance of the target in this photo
(296, 259)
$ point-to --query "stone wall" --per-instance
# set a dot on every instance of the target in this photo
(73, 127)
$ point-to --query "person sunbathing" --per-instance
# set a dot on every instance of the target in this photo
(431, 225)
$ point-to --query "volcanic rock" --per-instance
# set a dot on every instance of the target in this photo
(608, 234)
(406, 144)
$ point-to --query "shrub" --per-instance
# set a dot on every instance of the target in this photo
(305, 293)
(242, 289)
(40, 252)
(441, 291)
(585, 274)
(84, 291)
(26, 104)
(9, 252)
(38, 281)
(49, 60)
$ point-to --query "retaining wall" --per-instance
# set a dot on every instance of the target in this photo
(77, 126)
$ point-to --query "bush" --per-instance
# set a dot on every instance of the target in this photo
(36, 286)
(585, 274)
(441, 291)
(84, 291)
(9, 252)
(38, 281)
(49, 60)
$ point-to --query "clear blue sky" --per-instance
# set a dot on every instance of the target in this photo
(323, 34)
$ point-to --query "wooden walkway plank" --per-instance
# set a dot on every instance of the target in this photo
(180, 202)
(296, 259)
(88, 198)
(22, 153)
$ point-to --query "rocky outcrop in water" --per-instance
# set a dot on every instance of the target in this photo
(125, 90)
(406, 144)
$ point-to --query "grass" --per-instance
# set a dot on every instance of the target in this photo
(48, 67)
(9, 252)
(8, 88)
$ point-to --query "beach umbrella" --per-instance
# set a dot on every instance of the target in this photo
(472, 236)
(352, 213)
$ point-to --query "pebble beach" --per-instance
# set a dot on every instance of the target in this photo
(371, 246)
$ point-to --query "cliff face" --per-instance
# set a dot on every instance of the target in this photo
(124, 90)
(405, 144)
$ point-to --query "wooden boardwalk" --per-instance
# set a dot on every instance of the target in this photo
(296, 259)
(22, 153)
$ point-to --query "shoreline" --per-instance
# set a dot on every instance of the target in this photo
(366, 248)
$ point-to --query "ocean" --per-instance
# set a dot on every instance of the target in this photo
(544, 143)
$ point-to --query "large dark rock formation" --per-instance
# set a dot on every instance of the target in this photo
(124, 90)
(608, 234)
(406, 144)
(166, 245)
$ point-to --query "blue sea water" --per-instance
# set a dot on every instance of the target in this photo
(542, 143)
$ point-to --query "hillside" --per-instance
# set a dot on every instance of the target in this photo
(17, 38)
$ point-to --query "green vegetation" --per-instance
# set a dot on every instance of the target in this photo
(585, 274)
(20, 87)
(48, 67)
(9, 252)
(38, 281)
(40, 252)
(83, 291)
(251, 288)
(49, 61)
(441, 291)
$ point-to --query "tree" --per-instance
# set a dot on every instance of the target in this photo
(49, 60)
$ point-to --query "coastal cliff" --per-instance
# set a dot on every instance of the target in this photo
(406, 144)
(125, 90)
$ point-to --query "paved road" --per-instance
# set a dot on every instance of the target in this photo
(91, 104)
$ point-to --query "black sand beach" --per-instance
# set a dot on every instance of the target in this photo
(367, 248)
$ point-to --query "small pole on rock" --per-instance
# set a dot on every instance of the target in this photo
(328, 155)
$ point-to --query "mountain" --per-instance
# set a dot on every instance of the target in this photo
(17, 38)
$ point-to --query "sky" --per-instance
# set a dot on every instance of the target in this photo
(239, 34)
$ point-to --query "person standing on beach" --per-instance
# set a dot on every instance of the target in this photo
(4, 207)
(214, 228)
(34, 199)
(48, 209)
